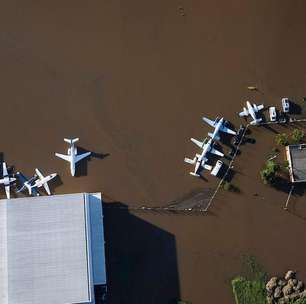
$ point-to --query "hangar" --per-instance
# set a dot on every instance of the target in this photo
(51, 249)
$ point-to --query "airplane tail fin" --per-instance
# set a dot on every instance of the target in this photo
(217, 137)
(71, 141)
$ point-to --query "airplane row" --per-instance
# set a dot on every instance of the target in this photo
(38, 180)
(219, 125)
(207, 146)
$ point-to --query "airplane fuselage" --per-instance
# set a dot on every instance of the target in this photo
(251, 110)
(72, 152)
(217, 128)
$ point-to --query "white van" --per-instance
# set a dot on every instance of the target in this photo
(272, 113)
(216, 168)
(285, 105)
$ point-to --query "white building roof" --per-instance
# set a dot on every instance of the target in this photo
(46, 249)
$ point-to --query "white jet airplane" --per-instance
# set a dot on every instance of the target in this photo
(6, 180)
(207, 146)
(26, 184)
(43, 181)
(252, 110)
(218, 124)
(200, 162)
(72, 156)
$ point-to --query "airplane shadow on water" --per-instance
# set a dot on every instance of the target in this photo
(141, 259)
(82, 166)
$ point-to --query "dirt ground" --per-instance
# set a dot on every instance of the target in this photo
(132, 80)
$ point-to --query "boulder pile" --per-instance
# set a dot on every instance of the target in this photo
(285, 290)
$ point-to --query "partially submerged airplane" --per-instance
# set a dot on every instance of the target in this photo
(218, 124)
(6, 180)
(43, 181)
(199, 161)
(72, 156)
(27, 184)
(252, 110)
(207, 146)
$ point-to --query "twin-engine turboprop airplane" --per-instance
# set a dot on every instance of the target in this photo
(72, 156)
(252, 110)
(218, 124)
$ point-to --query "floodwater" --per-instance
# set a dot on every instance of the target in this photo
(132, 80)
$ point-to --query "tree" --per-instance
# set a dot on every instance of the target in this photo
(282, 139)
(269, 172)
(297, 136)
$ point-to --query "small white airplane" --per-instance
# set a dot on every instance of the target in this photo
(252, 110)
(26, 183)
(72, 156)
(207, 146)
(218, 124)
(200, 162)
(6, 180)
(43, 181)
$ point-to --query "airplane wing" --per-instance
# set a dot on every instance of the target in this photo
(260, 107)
(208, 121)
(4, 170)
(216, 152)
(81, 156)
(245, 112)
(2, 181)
(197, 142)
(64, 157)
(46, 186)
(39, 174)
(227, 130)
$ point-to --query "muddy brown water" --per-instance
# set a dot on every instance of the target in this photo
(132, 80)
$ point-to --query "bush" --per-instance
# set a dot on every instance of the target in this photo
(269, 172)
(227, 186)
(282, 139)
(297, 136)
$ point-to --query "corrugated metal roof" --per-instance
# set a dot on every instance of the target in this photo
(44, 251)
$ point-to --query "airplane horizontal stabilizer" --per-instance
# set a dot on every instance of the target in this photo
(194, 174)
(189, 161)
(207, 167)
(71, 141)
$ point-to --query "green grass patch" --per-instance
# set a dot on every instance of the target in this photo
(250, 289)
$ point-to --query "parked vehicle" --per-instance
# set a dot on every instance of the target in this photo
(216, 168)
(272, 113)
(286, 105)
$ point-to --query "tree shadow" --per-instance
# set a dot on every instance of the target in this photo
(81, 168)
(141, 259)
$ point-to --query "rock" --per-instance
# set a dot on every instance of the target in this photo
(299, 286)
(290, 274)
(292, 282)
(287, 290)
(294, 296)
(284, 300)
(270, 300)
(303, 294)
(271, 284)
(281, 282)
(277, 292)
